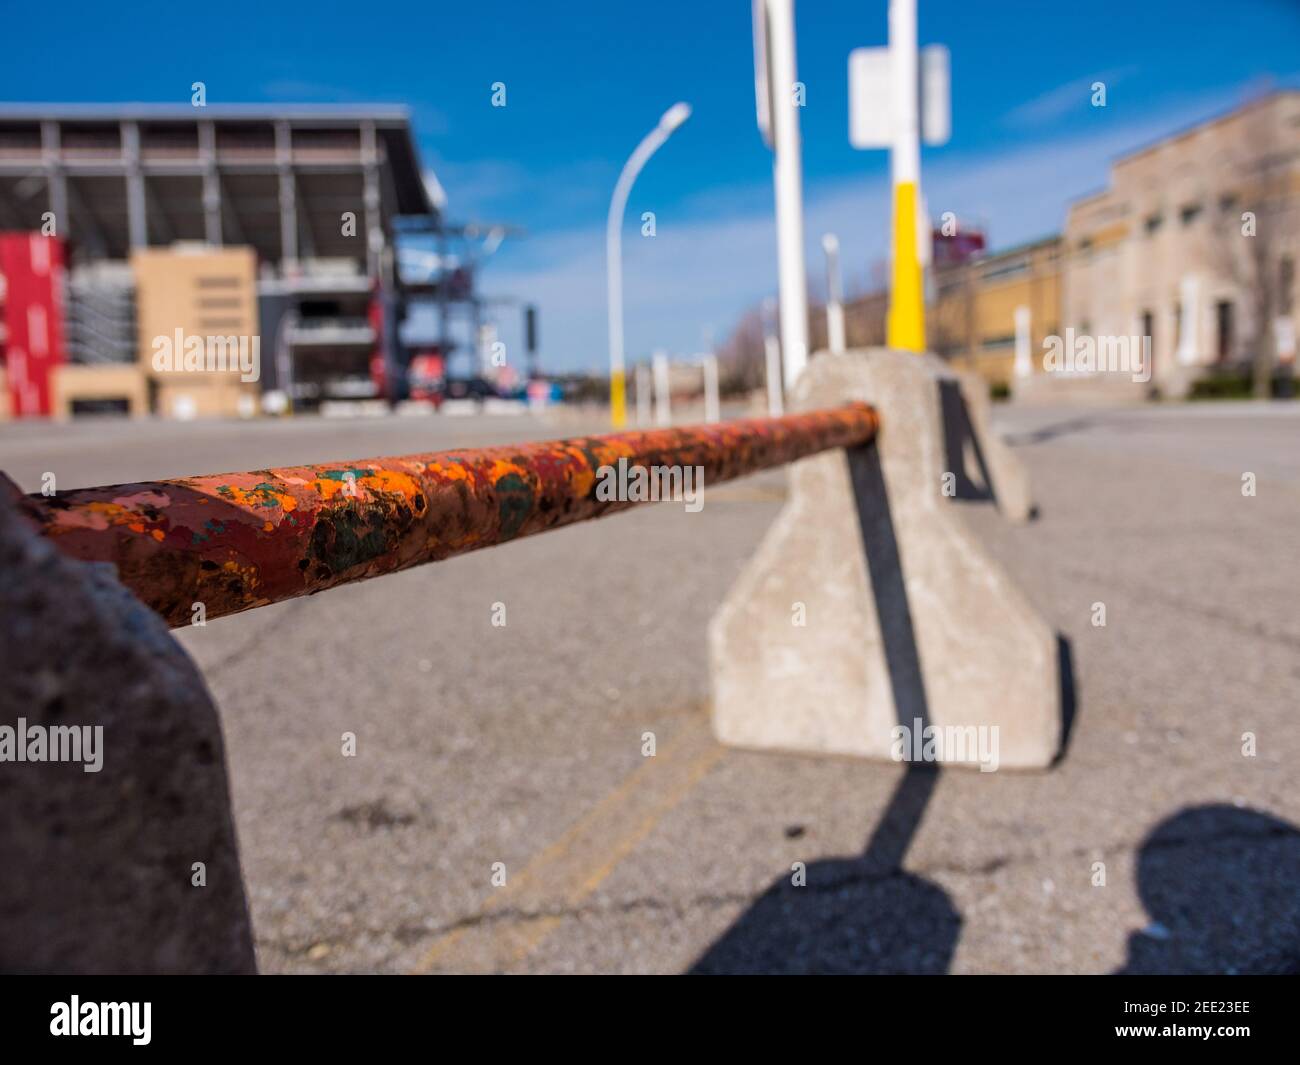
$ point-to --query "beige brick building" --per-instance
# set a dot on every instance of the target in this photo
(972, 320)
(196, 292)
(1194, 245)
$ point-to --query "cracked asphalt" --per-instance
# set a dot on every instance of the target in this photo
(515, 753)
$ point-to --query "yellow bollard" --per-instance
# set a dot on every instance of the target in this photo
(906, 322)
(617, 399)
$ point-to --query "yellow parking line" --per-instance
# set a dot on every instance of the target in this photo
(696, 771)
(566, 872)
(748, 494)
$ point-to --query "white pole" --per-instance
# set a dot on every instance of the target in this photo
(772, 360)
(835, 340)
(906, 326)
(711, 405)
(775, 405)
(905, 156)
(1189, 342)
(663, 401)
(643, 390)
(672, 118)
(787, 176)
(1024, 365)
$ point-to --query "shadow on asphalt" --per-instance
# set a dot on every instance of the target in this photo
(1069, 695)
(856, 915)
(1051, 432)
(1219, 884)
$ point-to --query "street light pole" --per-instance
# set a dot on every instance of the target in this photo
(672, 118)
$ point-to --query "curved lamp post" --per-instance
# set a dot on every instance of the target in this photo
(672, 118)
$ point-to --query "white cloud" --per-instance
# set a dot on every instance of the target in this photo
(490, 188)
(1057, 103)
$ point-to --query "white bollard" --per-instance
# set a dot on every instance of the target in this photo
(835, 339)
(773, 352)
(712, 412)
(1189, 341)
(1024, 364)
(663, 401)
(643, 389)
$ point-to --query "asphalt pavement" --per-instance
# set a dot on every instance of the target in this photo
(500, 814)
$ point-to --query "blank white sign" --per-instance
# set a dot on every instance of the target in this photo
(871, 99)
(936, 95)
(871, 108)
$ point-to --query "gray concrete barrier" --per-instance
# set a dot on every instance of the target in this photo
(998, 473)
(869, 605)
(120, 857)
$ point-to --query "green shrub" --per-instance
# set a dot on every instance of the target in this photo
(1237, 384)
(1222, 384)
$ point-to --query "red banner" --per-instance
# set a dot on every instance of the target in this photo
(32, 266)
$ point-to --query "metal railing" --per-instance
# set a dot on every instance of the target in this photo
(241, 540)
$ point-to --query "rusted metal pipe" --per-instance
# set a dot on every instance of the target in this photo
(240, 540)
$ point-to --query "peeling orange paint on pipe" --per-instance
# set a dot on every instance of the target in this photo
(241, 540)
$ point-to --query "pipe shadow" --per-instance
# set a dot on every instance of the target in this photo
(1053, 430)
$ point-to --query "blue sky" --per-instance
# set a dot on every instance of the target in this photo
(585, 80)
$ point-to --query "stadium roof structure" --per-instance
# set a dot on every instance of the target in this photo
(294, 181)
